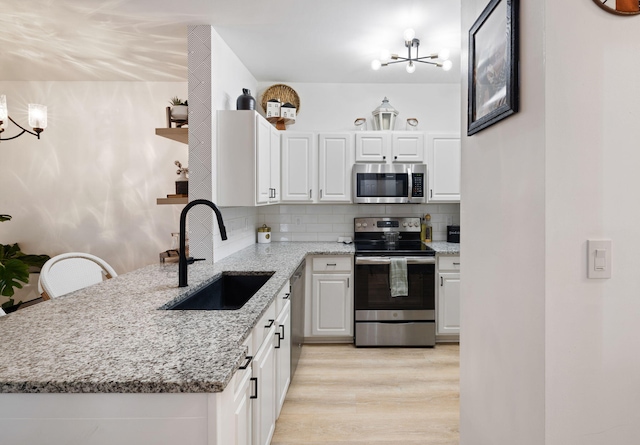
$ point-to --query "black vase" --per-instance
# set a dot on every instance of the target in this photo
(245, 101)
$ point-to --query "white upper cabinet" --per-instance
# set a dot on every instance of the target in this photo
(389, 147)
(407, 146)
(248, 160)
(372, 146)
(298, 167)
(335, 156)
(316, 174)
(444, 167)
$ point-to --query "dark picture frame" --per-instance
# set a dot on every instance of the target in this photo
(493, 65)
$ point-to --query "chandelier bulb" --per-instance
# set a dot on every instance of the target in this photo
(444, 54)
(411, 68)
(447, 64)
(4, 112)
(375, 65)
(408, 35)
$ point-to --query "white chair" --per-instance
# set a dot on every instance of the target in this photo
(68, 272)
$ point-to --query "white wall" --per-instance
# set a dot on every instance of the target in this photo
(502, 340)
(334, 107)
(90, 183)
(593, 334)
(547, 355)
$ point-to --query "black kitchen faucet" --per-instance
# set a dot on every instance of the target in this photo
(182, 266)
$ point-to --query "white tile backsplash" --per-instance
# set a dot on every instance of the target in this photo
(323, 222)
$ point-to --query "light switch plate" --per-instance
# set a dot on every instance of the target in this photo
(599, 258)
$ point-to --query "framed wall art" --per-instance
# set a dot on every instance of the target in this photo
(493, 65)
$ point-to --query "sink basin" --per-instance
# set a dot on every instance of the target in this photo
(229, 292)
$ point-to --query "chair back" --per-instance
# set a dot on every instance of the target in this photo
(69, 272)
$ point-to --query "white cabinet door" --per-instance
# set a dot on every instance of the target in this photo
(407, 146)
(332, 305)
(449, 303)
(242, 411)
(444, 167)
(372, 146)
(263, 161)
(298, 165)
(268, 162)
(283, 355)
(274, 155)
(335, 155)
(264, 403)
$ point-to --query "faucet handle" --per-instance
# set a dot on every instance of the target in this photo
(191, 260)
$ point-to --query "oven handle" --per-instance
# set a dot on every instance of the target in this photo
(387, 260)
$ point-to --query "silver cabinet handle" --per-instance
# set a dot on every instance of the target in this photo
(310, 194)
(320, 193)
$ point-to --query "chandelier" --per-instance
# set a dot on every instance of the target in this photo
(37, 119)
(411, 42)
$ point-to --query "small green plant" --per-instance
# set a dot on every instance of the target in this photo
(14, 267)
(177, 101)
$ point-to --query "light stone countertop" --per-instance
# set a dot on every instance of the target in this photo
(113, 337)
(443, 247)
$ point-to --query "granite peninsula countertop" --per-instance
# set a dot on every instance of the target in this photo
(113, 337)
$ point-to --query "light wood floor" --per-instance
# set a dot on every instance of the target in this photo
(380, 396)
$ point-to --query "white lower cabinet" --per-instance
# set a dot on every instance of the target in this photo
(448, 291)
(264, 397)
(283, 355)
(241, 428)
(331, 300)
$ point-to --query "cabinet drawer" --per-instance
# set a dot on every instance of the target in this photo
(332, 264)
(449, 263)
(282, 298)
(261, 329)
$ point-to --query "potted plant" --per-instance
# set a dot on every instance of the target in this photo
(179, 109)
(14, 269)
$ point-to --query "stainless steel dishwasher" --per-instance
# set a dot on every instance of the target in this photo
(297, 315)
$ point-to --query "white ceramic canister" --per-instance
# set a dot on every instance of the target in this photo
(264, 234)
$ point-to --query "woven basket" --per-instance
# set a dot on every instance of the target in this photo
(282, 92)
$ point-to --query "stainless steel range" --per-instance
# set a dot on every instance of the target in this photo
(389, 253)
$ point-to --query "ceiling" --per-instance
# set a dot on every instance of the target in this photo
(328, 41)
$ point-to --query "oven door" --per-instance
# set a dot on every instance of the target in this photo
(373, 294)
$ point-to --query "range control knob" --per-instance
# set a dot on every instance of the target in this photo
(364, 224)
(404, 224)
(358, 225)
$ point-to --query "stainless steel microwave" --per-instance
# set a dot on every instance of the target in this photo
(389, 183)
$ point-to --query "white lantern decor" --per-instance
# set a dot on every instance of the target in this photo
(384, 117)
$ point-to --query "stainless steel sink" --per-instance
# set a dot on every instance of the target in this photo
(229, 292)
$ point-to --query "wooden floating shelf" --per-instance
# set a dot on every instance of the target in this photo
(161, 201)
(176, 134)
